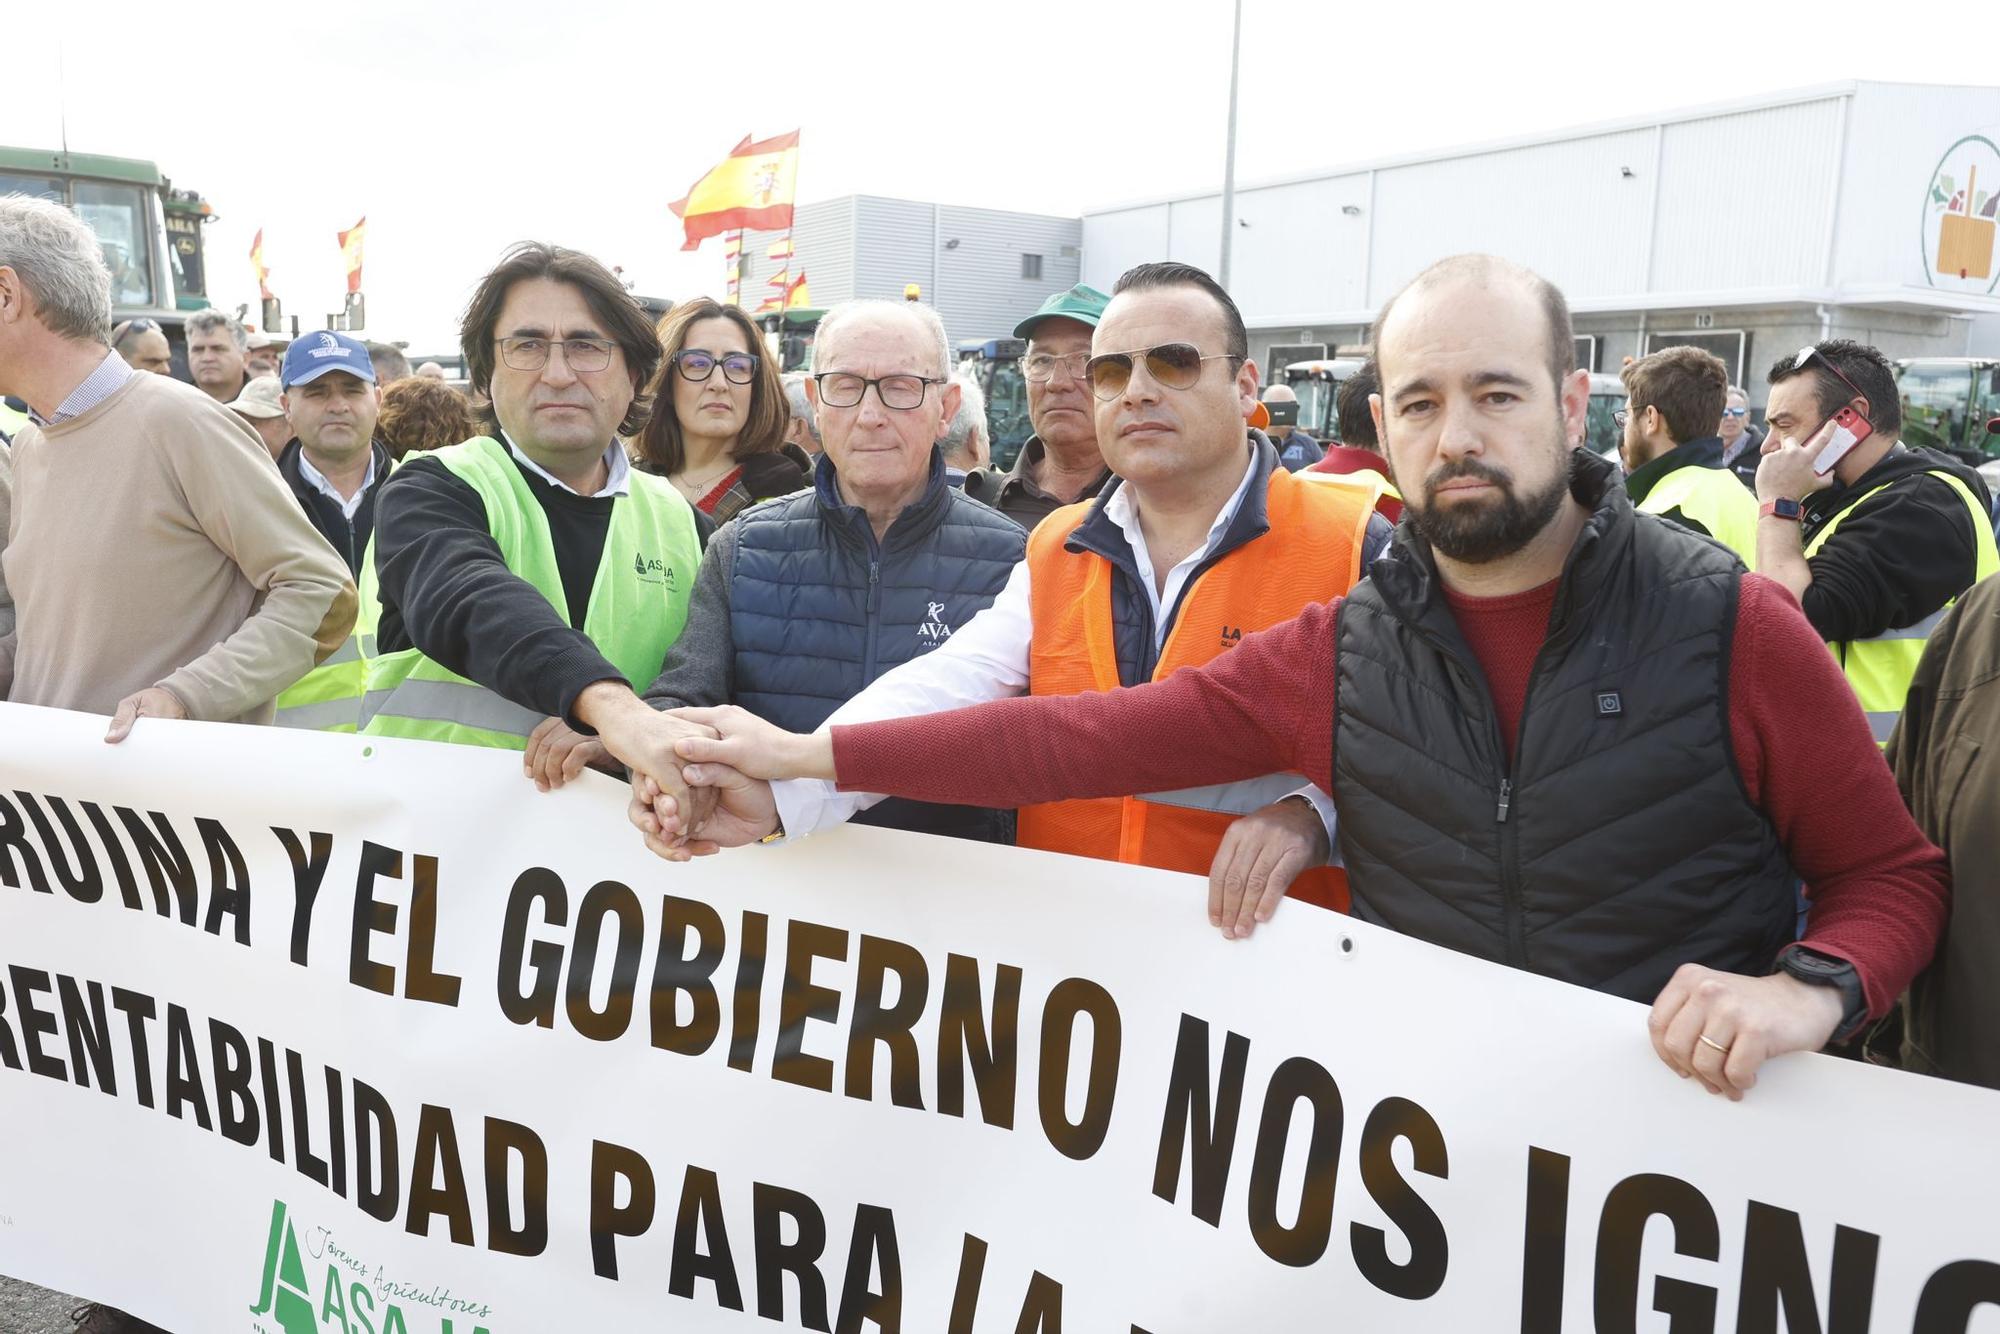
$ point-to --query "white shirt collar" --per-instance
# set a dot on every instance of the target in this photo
(1122, 510)
(617, 479)
(317, 480)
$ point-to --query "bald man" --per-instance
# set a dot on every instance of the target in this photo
(1296, 449)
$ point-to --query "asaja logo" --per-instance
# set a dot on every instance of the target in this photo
(351, 1299)
(934, 627)
(652, 570)
(1961, 216)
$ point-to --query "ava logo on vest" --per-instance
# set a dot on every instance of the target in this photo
(1961, 215)
(934, 628)
(353, 1296)
(652, 570)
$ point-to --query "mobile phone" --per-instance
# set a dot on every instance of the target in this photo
(1850, 428)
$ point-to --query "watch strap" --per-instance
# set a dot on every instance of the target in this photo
(1810, 966)
(1780, 508)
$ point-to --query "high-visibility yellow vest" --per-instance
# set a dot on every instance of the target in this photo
(638, 602)
(1880, 669)
(1713, 498)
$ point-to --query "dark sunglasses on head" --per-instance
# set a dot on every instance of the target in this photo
(1175, 365)
(129, 327)
(696, 365)
(1811, 354)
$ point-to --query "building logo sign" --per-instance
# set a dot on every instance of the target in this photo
(1961, 216)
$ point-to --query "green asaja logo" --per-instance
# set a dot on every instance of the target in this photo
(652, 570)
(351, 1300)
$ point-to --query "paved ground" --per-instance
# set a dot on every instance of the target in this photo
(27, 1309)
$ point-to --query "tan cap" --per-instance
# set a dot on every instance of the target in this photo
(260, 398)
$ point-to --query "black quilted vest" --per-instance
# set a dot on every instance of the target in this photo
(1623, 843)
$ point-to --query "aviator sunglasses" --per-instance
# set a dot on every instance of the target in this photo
(1175, 365)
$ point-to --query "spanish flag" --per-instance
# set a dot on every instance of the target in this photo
(782, 278)
(781, 249)
(350, 251)
(798, 296)
(749, 190)
(257, 263)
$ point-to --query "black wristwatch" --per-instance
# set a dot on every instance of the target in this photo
(1824, 970)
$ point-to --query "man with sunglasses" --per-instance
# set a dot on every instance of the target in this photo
(805, 600)
(1876, 545)
(1563, 736)
(1060, 464)
(523, 581)
(1201, 538)
(1741, 442)
(143, 345)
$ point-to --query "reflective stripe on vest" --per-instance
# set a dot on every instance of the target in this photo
(1881, 668)
(1312, 553)
(1713, 498)
(327, 698)
(638, 602)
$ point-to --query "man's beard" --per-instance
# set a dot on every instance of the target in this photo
(1481, 531)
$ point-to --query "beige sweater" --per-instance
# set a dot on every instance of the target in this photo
(152, 543)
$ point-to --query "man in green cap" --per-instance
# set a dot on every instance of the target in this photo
(1060, 464)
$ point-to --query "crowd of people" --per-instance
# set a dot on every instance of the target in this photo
(1451, 672)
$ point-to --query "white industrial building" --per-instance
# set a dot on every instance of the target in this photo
(983, 269)
(1863, 210)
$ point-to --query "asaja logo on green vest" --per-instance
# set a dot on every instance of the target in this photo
(1961, 216)
(652, 570)
(353, 1297)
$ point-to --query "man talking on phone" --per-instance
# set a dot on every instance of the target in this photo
(1873, 538)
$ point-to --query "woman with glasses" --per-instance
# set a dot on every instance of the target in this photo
(718, 426)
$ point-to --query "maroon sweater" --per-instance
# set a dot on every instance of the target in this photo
(1879, 889)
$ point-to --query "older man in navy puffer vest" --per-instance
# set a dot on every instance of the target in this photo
(802, 601)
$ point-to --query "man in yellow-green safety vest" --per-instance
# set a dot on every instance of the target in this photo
(1673, 457)
(1877, 542)
(521, 581)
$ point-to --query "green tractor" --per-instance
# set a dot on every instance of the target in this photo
(150, 232)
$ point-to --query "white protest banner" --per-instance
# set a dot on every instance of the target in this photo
(308, 1033)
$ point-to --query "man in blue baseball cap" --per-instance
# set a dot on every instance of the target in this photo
(333, 463)
(335, 466)
(1060, 464)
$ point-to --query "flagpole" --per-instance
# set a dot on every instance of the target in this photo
(1229, 155)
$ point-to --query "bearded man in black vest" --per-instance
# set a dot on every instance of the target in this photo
(1561, 735)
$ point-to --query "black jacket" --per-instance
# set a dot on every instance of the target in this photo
(349, 539)
(1900, 555)
(1619, 843)
(446, 589)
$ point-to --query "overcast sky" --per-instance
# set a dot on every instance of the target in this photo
(578, 122)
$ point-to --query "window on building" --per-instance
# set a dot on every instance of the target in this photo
(1586, 352)
(1031, 266)
(1729, 344)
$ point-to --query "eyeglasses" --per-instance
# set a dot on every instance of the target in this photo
(696, 365)
(1040, 368)
(1807, 354)
(1175, 365)
(1736, 412)
(1619, 417)
(899, 393)
(580, 354)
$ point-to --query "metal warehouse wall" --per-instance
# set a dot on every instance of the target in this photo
(1814, 195)
(869, 246)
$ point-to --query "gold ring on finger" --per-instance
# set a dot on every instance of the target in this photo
(1713, 1043)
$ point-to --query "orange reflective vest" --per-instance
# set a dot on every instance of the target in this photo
(1312, 553)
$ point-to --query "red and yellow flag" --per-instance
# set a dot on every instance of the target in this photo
(350, 250)
(781, 249)
(749, 190)
(257, 263)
